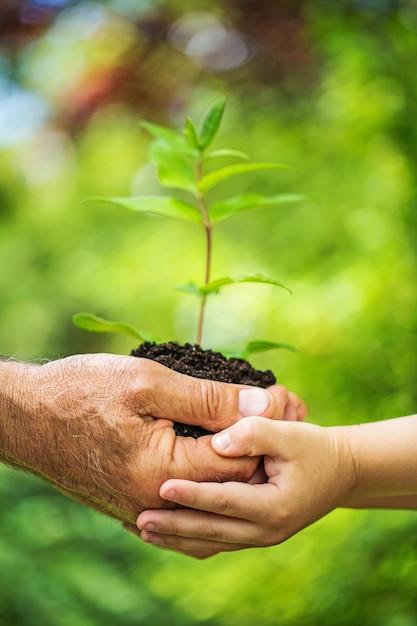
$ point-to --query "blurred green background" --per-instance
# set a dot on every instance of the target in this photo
(327, 87)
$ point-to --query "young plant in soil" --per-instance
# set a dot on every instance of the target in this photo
(181, 159)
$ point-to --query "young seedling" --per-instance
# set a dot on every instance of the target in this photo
(181, 158)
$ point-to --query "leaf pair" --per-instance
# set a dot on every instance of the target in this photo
(95, 324)
(174, 207)
(209, 127)
(175, 154)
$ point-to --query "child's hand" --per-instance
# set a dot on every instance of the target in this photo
(308, 471)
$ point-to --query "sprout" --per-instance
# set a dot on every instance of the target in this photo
(180, 157)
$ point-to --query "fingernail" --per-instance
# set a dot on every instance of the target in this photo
(170, 495)
(155, 539)
(253, 401)
(149, 526)
(222, 440)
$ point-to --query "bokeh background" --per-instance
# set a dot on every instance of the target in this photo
(327, 87)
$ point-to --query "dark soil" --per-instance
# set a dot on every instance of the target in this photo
(192, 360)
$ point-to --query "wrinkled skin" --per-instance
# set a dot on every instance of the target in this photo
(100, 429)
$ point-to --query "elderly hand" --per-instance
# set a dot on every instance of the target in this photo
(100, 427)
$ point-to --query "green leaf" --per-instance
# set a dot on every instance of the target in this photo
(166, 134)
(211, 122)
(159, 205)
(190, 288)
(191, 135)
(263, 346)
(214, 178)
(174, 169)
(258, 346)
(227, 208)
(215, 285)
(175, 140)
(94, 324)
(226, 153)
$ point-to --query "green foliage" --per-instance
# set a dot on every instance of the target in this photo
(180, 159)
(350, 129)
(95, 324)
(259, 346)
(175, 167)
(164, 206)
(191, 135)
(227, 208)
(211, 123)
(214, 286)
(210, 181)
(225, 152)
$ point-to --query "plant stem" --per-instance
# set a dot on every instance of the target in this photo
(208, 230)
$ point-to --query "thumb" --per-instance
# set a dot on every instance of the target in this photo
(252, 436)
(210, 404)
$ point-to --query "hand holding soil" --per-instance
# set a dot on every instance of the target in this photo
(100, 427)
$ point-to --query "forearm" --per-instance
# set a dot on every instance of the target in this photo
(384, 455)
(30, 431)
(384, 502)
(42, 432)
(19, 427)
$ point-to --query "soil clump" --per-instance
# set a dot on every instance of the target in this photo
(192, 360)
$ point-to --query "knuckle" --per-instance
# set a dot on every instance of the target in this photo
(141, 390)
(209, 401)
(302, 410)
(293, 398)
(250, 430)
(169, 530)
(281, 395)
(222, 505)
(211, 533)
(294, 401)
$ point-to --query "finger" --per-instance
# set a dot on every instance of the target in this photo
(280, 395)
(253, 436)
(189, 530)
(184, 546)
(302, 411)
(202, 548)
(190, 524)
(229, 499)
(195, 459)
(164, 393)
(295, 409)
